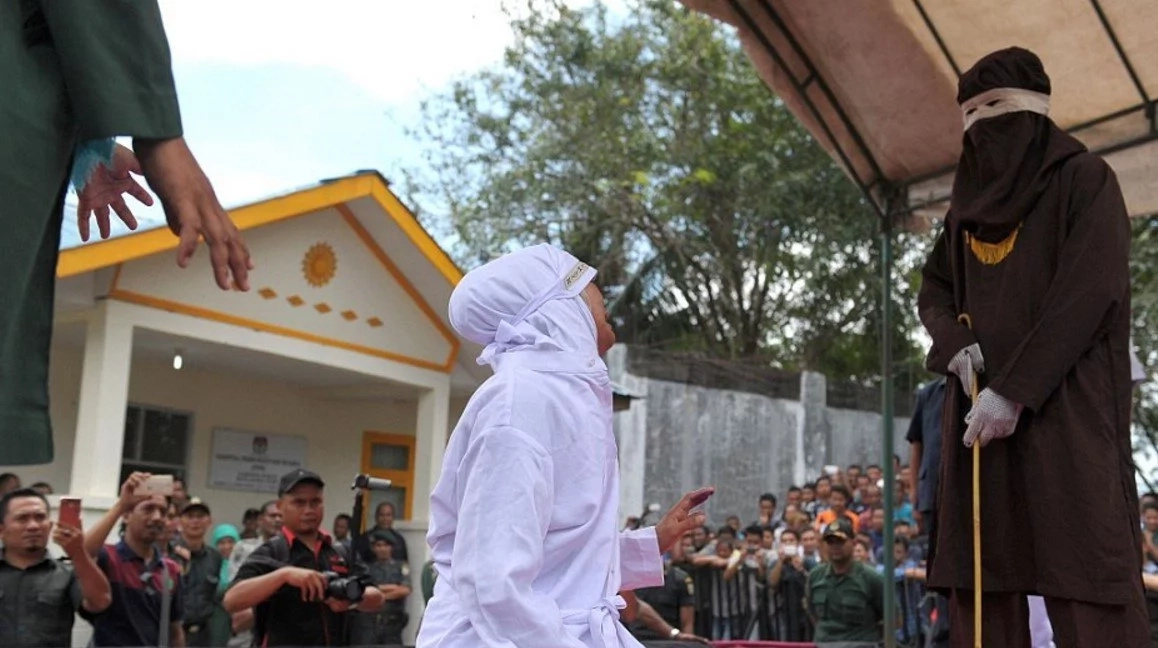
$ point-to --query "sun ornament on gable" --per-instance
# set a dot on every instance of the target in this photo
(319, 265)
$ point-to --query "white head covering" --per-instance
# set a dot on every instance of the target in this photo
(526, 300)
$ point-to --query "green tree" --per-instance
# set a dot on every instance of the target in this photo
(646, 144)
(1144, 277)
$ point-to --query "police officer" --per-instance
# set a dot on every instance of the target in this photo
(392, 577)
(845, 598)
(202, 571)
(674, 605)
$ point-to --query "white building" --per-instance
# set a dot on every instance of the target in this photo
(339, 357)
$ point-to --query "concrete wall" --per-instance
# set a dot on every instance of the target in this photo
(855, 437)
(676, 437)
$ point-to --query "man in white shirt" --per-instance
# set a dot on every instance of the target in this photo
(524, 520)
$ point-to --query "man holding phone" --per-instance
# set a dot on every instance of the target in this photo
(787, 577)
(39, 596)
(148, 600)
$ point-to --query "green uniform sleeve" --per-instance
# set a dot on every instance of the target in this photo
(116, 65)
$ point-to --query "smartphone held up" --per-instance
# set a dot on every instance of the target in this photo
(155, 485)
(69, 512)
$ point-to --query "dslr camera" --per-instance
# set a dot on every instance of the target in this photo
(344, 588)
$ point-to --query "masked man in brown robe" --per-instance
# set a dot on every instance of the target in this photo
(1034, 249)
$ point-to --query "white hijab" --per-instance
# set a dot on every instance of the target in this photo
(526, 301)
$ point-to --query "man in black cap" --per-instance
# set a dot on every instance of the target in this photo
(299, 580)
(844, 597)
(1034, 250)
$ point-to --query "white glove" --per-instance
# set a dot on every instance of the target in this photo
(993, 417)
(965, 363)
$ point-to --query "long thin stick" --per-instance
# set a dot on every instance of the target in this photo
(964, 319)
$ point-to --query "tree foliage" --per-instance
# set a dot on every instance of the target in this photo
(1144, 277)
(646, 144)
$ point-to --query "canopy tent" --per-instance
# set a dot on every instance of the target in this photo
(875, 83)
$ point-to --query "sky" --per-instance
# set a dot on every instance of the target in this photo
(279, 95)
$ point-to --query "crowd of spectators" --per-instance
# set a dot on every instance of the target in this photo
(166, 577)
(750, 581)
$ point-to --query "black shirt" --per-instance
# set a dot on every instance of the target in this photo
(675, 593)
(286, 619)
(199, 583)
(38, 604)
(925, 428)
(138, 588)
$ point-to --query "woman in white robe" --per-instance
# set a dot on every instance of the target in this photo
(523, 524)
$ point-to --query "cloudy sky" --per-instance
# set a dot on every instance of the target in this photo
(277, 95)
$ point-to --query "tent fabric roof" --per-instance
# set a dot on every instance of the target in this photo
(875, 81)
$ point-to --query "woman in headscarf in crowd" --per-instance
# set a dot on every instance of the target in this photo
(523, 523)
(225, 537)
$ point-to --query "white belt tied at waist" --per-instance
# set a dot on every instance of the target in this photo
(603, 622)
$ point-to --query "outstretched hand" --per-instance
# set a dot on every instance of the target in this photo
(106, 189)
(682, 518)
(192, 210)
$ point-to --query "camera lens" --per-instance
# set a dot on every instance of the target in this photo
(344, 589)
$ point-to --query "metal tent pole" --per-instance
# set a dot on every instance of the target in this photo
(887, 419)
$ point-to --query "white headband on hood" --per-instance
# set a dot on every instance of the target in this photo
(525, 300)
(1004, 100)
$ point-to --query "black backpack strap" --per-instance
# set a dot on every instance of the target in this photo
(279, 552)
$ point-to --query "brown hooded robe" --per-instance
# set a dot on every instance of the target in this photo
(1059, 506)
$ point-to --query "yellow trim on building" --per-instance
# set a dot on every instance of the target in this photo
(417, 234)
(399, 478)
(103, 254)
(226, 318)
(415, 296)
(334, 194)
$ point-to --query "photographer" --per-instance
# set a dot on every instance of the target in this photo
(302, 584)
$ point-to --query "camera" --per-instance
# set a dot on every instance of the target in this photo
(344, 588)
